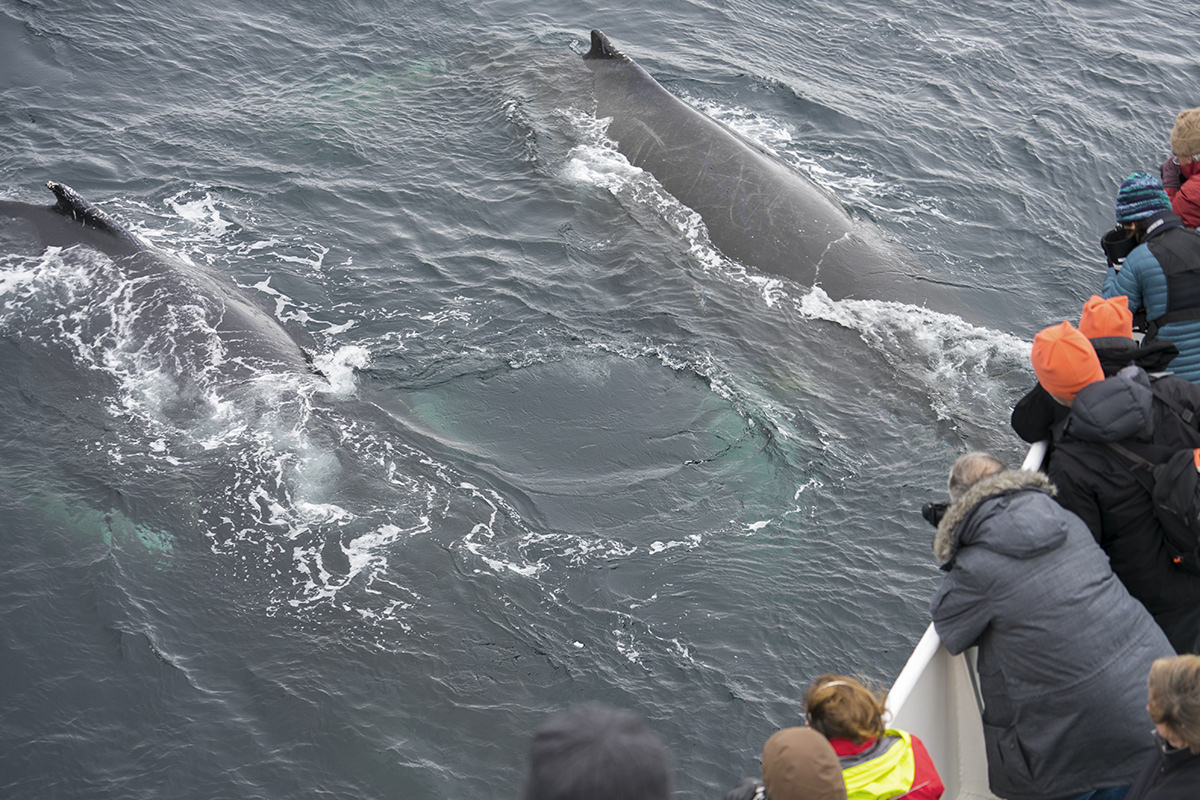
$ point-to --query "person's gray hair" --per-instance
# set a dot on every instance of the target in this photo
(969, 469)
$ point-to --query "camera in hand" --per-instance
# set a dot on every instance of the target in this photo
(933, 512)
(1118, 243)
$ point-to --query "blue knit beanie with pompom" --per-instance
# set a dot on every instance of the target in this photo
(1141, 195)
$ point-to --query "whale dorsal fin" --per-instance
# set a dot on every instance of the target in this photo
(603, 48)
(71, 204)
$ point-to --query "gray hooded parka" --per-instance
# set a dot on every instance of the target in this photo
(1064, 650)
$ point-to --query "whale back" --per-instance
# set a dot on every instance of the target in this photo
(166, 280)
(758, 210)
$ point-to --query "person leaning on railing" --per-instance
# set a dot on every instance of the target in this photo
(1161, 274)
(1108, 325)
(1063, 647)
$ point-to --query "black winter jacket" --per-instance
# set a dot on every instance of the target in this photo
(1035, 414)
(1170, 775)
(1110, 494)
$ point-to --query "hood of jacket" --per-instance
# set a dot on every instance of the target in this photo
(1113, 409)
(1025, 532)
(1116, 352)
(800, 764)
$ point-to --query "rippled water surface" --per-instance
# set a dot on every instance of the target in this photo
(553, 445)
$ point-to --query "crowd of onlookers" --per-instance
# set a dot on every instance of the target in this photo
(1082, 601)
(844, 752)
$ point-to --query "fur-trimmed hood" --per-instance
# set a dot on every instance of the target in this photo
(1063, 647)
(949, 537)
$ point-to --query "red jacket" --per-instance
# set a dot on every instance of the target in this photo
(926, 782)
(1185, 201)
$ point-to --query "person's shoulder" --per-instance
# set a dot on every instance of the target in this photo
(1041, 503)
(1190, 191)
(1034, 415)
(1073, 460)
(1139, 261)
(1176, 387)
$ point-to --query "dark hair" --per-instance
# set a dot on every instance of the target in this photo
(594, 752)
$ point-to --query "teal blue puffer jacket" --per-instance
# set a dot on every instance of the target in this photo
(1141, 279)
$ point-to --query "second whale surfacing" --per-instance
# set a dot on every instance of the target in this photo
(757, 209)
(249, 335)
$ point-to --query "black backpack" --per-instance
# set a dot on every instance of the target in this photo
(1174, 487)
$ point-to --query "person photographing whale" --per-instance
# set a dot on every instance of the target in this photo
(1161, 273)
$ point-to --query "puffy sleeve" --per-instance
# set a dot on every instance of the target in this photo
(961, 609)
(1141, 279)
(1126, 282)
(1035, 413)
(1186, 203)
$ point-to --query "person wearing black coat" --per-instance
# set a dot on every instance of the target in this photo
(1034, 415)
(1173, 774)
(1174, 705)
(1113, 495)
(1108, 325)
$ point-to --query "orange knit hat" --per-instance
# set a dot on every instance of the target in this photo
(1103, 318)
(1064, 360)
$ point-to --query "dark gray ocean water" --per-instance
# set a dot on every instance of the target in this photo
(559, 448)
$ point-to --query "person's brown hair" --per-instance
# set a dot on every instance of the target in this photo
(839, 706)
(1175, 697)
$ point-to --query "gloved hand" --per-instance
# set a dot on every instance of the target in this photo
(1171, 179)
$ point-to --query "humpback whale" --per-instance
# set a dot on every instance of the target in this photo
(757, 210)
(249, 333)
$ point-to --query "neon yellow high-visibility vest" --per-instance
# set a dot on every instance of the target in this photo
(887, 769)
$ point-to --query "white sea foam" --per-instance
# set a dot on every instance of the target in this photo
(687, 543)
(597, 161)
(601, 164)
(339, 367)
(175, 404)
(203, 213)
